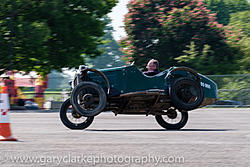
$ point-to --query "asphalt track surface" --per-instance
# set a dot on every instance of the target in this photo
(212, 137)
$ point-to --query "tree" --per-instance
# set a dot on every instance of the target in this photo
(241, 20)
(224, 8)
(240, 24)
(198, 60)
(244, 62)
(51, 34)
(162, 30)
(112, 54)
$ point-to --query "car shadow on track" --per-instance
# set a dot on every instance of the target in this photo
(149, 130)
(207, 130)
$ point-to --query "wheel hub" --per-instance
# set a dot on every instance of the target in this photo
(171, 113)
(185, 94)
(75, 114)
(88, 99)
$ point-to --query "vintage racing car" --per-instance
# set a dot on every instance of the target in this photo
(168, 95)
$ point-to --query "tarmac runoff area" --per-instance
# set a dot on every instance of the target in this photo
(212, 137)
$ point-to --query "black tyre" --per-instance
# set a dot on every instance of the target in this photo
(174, 121)
(71, 119)
(186, 94)
(88, 99)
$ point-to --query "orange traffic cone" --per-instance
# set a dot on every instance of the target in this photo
(5, 132)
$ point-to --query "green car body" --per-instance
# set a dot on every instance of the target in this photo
(130, 79)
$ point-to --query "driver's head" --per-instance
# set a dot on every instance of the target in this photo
(153, 65)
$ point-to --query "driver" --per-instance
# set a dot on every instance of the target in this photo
(152, 68)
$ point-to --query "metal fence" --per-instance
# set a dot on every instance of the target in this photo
(233, 89)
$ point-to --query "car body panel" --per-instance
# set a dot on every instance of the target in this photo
(129, 79)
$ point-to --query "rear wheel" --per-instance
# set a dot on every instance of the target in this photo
(186, 94)
(71, 119)
(174, 120)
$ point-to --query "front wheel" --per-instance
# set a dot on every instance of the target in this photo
(174, 120)
(88, 98)
(71, 119)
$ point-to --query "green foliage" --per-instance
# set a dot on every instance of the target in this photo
(239, 40)
(112, 55)
(245, 61)
(163, 30)
(241, 20)
(51, 34)
(235, 13)
(199, 60)
(190, 54)
(224, 8)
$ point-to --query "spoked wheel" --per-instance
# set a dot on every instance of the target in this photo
(186, 94)
(71, 119)
(174, 120)
(88, 98)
